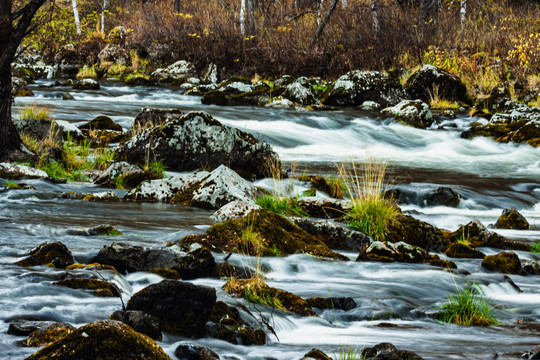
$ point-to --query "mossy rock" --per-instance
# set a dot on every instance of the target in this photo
(417, 233)
(512, 219)
(91, 267)
(269, 296)
(387, 351)
(233, 79)
(334, 189)
(506, 262)
(104, 340)
(227, 324)
(315, 354)
(109, 197)
(464, 251)
(49, 334)
(53, 254)
(100, 288)
(478, 236)
(138, 80)
(273, 235)
(166, 273)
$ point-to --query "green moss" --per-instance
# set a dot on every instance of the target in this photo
(100, 288)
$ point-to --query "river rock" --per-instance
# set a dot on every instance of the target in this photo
(101, 123)
(234, 210)
(234, 93)
(227, 324)
(140, 322)
(98, 287)
(440, 196)
(336, 236)
(43, 128)
(48, 334)
(197, 140)
(16, 172)
(105, 196)
(163, 190)
(336, 303)
(105, 340)
(506, 262)
(210, 74)
(355, 87)
(19, 87)
(48, 253)
(387, 351)
(149, 117)
(191, 351)
(181, 308)
(279, 237)
(26, 327)
(533, 354)
(300, 93)
(417, 233)
(124, 175)
(114, 53)
(464, 251)
(512, 219)
(175, 73)
(315, 354)
(401, 252)
(415, 113)
(422, 83)
(324, 208)
(86, 84)
(190, 264)
(478, 236)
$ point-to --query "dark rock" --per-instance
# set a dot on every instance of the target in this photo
(315, 354)
(19, 87)
(414, 113)
(512, 219)
(335, 235)
(443, 196)
(180, 307)
(533, 354)
(190, 351)
(138, 80)
(532, 268)
(105, 340)
(190, 143)
(140, 322)
(506, 262)
(100, 230)
(149, 117)
(400, 252)
(100, 288)
(44, 128)
(324, 208)
(26, 327)
(227, 324)
(477, 234)
(55, 254)
(101, 123)
(337, 303)
(176, 73)
(48, 334)
(333, 187)
(423, 83)
(128, 258)
(355, 87)
(281, 237)
(417, 233)
(86, 84)
(462, 250)
(67, 96)
(124, 175)
(387, 351)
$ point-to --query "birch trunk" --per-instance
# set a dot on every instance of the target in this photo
(76, 16)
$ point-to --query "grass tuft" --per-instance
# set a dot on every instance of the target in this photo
(349, 353)
(468, 307)
(87, 72)
(35, 112)
(281, 205)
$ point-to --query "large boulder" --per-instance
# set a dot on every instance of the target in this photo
(422, 84)
(478, 236)
(417, 233)
(140, 322)
(197, 140)
(299, 93)
(198, 262)
(175, 74)
(355, 87)
(149, 117)
(12, 171)
(261, 233)
(53, 254)
(105, 340)
(415, 113)
(506, 262)
(232, 93)
(512, 219)
(227, 324)
(181, 308)
(234, 210)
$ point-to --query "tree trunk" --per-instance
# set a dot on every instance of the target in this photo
(247, 18)
(9, 137)
(323, 23)
(76, 16)
(375, 6)
(103, 12)
(463, 11)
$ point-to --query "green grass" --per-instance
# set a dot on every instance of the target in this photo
(349, 353)
(280, 205)
(11, 184)
(87, 73)
(157, 166)
(536, 248)
(468, 307)
(35, 112)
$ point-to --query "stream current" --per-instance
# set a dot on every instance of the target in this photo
(392, 299)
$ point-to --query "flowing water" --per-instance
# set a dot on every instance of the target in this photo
(393, 299)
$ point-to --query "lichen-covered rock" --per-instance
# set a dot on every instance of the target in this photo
(387, 351)
(417, 233)
(116, 54)
(106, 196)
(52, 254)
(324, 208)
(274, 236)
(105, 340)
(415, 113)
(86, 84)
(227, 324)
(464, 251)
(48, 334)
(181, 308)
(124, 175)
(175, 73)
(355, 87)
(163, 190)
(98, 287)
(11, 171)
(336, 236)
(422, 84)
(234, 210)
(260, 292)
(512, 219)
(19, 87)
(301, 94)
(43, 128)
(149, 117)
(506, 262)
(190, 264)
(140, 322)
(400, 252)
(337, 303)
(191, 351)
(197, 140)
(234, 93)
(478, 236)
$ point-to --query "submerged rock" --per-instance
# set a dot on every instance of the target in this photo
(100, 230)
(261, 233)
(197, 140)
(186, 264)
(415, 113)
(191, 351)
(338, 303)
(512, 219)
(506, 262)
(181, 308)
(140, 322)
(105, 340)
(387, 351)
(53, 254)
